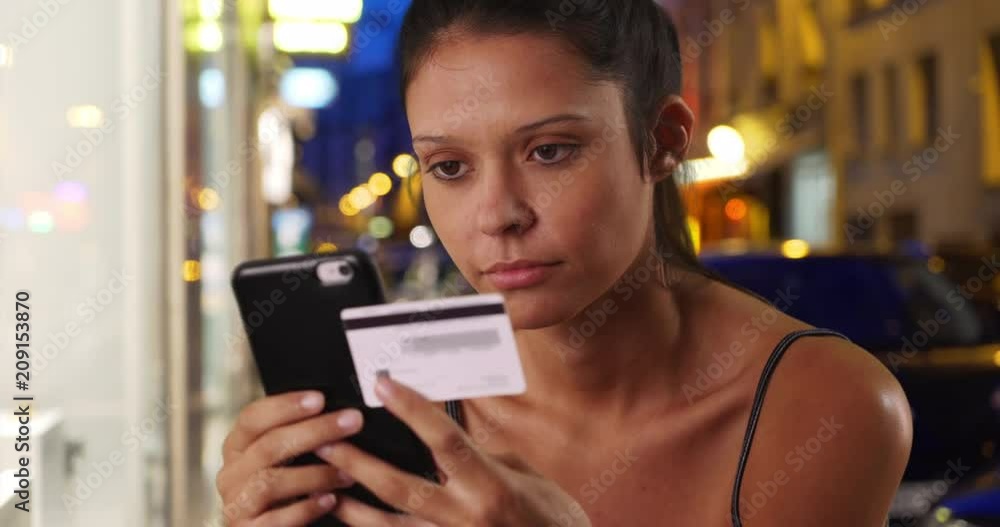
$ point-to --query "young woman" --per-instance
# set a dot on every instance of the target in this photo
(549, 134)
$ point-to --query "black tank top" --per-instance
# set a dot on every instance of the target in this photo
(454, 409)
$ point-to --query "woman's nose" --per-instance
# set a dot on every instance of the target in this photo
(502, 209)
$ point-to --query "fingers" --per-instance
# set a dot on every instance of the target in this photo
(300, 513)
(358, 514)
(271, 487)
(281, 444)
(404, 491)
(270, 412)
(442, 435)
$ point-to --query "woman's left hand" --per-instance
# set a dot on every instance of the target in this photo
(478, 489)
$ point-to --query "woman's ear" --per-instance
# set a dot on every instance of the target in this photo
(673, 136)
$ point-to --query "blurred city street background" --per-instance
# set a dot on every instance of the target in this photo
(845, 164)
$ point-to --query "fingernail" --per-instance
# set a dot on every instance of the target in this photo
(349, 420)
(384, 387)
(312, 401)
(327, 501)
(325, 452)
(345, 478)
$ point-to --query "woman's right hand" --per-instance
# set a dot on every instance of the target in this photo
(256, 489)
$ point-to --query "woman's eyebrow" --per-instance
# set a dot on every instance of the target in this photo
(566, 117)
(439, 139)
(570, 117)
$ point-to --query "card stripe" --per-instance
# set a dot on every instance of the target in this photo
(423, 316)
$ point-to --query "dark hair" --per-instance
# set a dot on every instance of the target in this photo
(633, 42)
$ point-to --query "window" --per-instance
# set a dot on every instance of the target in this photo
(923, 99)
(862, 10)
(858, 8)
(768, 58)
(736, 85)
(859, 102)
(995, 49)
(903, 226)
(990, 83)
(890, 108)
(769, 90)
(813, 48)
(928, 76)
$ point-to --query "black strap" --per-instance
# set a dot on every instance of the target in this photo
(758, 402)
(454, 409)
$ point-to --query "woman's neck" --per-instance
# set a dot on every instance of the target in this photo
(625, 351)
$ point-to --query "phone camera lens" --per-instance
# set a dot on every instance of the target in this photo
(335, 273)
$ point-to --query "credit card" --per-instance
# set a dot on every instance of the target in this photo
(449, 348)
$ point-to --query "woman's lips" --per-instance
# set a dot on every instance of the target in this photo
(519, 274)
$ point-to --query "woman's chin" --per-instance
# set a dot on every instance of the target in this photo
(535, 311)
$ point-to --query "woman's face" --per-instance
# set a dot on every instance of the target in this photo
(529, 175)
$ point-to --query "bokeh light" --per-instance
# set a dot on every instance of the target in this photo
(346, 208)
(405, 165)
(310, 37)
(380, 184)
(347, 11)
(208, 199)
(361, 198)
(936, 264)
(326, 248)
(380, 227)
(726, 143)
(192, 270)
(41, 221)
(421, 236)
(795, 249)
(736, 209)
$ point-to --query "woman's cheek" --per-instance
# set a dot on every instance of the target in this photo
(454, 222)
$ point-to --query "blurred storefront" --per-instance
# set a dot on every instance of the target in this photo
(288, 137)
(916, 127)
(762, 170)
(82, 217)
(843, 139)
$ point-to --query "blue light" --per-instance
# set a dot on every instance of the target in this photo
(309, 87)
(211, 87)
(11, 219)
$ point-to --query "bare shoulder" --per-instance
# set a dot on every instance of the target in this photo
(831, 376)
(836, 425)
(825, 372)
(834, 431)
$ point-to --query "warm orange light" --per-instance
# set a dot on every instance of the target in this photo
(405, 165)
(326, 247)
(361, 198)
(208, 199)
(795, 249)
(694, 229)
(192, 270)
(380, 184)
(936, 264)
(736, 209)
(346, 208)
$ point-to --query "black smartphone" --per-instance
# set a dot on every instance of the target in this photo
(291, 312)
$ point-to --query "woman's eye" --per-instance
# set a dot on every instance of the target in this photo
(449, 170)
(552, 154)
